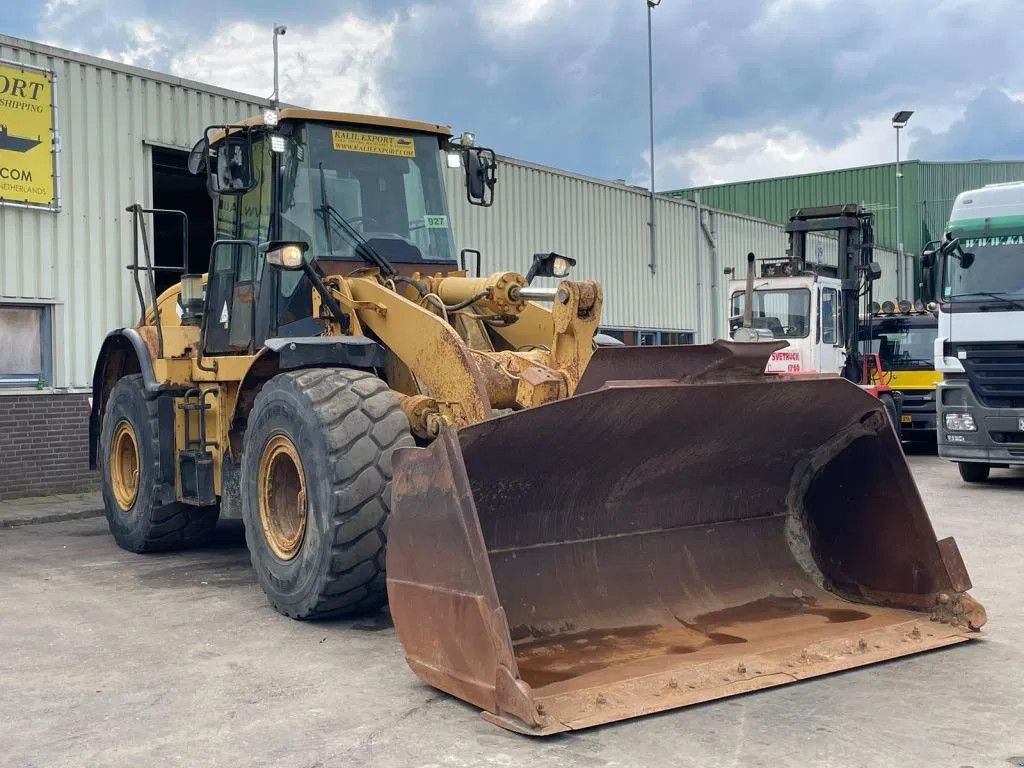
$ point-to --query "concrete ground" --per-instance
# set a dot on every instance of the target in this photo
(113, 659)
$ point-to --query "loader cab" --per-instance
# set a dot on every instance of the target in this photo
(803, 310)
(355, 191)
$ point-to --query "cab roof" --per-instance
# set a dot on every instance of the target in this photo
(294, 113)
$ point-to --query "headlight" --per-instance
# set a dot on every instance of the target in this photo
(286, 256)
(270, 117)
(560, 267)
(960, 422)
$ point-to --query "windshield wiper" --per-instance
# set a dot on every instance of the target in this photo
(997, 296)
(372, 254)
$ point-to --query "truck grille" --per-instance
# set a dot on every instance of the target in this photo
(918, 400)
(996, 372)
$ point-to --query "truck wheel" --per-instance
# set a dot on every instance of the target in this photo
(891, 412)
(316, 490)
(130, 464)
(973, 472)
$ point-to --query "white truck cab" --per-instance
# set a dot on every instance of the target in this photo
(977, 277)
(802, 309)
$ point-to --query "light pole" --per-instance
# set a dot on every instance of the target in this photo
(899, 121)
(279, 30)
(651, 5)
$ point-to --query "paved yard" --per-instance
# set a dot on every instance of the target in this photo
(112, 659)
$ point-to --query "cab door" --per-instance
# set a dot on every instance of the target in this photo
(829, 349)
(243, 223)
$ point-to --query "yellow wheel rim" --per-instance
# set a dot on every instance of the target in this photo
(124, 466)
(282, 497)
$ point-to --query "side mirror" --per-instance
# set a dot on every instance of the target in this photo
(927, 259)
(549, 265)
(231, 171)
(481, 175)
(197, 158)
(286, 255)
(966, 260)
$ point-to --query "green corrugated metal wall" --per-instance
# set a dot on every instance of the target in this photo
(942, 182)
(928, 193)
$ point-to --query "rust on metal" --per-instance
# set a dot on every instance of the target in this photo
(641, 546)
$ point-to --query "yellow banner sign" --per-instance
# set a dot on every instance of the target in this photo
(26, 136)
(373, 143)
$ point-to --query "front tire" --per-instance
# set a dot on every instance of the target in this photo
(130, 458)
(973, 472)
(892, 412)
(316, 490)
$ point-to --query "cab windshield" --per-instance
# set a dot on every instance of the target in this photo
(902, 343)
(344, 185)
(998, 268)
(786, 312)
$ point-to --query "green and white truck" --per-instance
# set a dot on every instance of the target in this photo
(976, 274)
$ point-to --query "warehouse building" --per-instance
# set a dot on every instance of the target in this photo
(926, 198)
(82, 138)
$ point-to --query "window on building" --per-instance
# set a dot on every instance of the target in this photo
(648, 337)
(25, 354)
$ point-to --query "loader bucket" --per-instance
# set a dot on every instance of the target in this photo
(683, 528)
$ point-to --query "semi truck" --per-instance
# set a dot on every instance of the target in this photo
(976, 275)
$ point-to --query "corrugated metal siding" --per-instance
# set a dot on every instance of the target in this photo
(942, 182)
(604, 227)
(77, 257)
(872, 186)
(927, 196)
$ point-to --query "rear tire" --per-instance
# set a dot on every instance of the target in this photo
(316, 490)
(130, 468)
(973, 472)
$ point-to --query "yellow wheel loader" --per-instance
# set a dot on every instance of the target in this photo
(570, 536)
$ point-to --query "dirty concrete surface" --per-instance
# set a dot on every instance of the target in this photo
(113, 659)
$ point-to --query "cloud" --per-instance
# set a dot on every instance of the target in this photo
(769, 152)
(742, 88)
(512, 15)
(335, 65)
(990, 128)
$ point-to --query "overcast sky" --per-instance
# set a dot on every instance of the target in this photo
(743, 88)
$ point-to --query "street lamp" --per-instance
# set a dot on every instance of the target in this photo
(651, 5)
(279, 30)
(900, 120)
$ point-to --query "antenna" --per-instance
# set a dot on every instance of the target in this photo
(279, 30)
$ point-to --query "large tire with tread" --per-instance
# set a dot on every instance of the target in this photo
(130, 467)
(316, 490)
(973, 472)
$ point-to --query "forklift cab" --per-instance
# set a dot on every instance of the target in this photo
(802, 310)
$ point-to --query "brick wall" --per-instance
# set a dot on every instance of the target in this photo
(44, 445)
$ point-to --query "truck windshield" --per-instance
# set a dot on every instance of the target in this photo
(786, 312)
(902, 343)
(386, 184)
(998, 268)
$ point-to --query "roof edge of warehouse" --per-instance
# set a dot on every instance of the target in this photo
(67, 54)
(683, 190)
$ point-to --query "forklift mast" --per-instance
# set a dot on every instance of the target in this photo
(856, 268)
